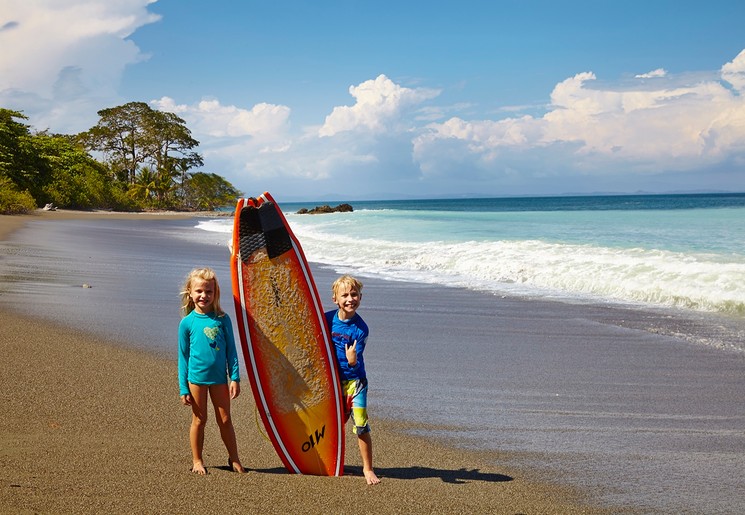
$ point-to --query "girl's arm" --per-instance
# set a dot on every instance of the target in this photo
(232, 355)
(184, 346)
(235, 389)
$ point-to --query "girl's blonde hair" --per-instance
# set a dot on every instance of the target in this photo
(204, 274)
(346, 281)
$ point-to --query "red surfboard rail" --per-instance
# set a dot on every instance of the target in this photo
(287, 350)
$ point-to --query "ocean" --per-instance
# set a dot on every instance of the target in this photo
(680, 252)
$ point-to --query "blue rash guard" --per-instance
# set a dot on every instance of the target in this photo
(207, 352)
(343, 333)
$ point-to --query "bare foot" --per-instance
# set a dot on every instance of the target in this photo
(236, 466)
(198, 468)
(371, 478)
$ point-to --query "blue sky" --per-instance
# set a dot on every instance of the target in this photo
(351, 100)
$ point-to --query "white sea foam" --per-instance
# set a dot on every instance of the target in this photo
(691, 280)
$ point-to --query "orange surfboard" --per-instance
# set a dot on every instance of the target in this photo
(288, 352)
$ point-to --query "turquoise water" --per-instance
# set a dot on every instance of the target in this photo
(682, 251)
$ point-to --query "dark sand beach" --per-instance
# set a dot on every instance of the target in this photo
(92, 426)
(481, 403)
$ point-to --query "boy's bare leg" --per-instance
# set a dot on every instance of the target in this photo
(365, 444)
(196, 431)
(220, 395)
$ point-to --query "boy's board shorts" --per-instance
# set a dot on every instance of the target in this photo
(355, 404)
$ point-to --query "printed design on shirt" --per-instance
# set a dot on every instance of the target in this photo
(343, 338)
(211, 333)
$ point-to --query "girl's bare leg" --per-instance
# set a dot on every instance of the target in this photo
(198, 421)
(220, 395)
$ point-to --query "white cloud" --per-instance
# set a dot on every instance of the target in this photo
(654, 74)
(64, 57)
(263, 121)
(590, 128)
(599, 129)
(254, 148)
(378, 103)
(734, 72)
(359, 145)
(258, 146)
(242, 145)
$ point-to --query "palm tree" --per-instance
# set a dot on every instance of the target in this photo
(144, 185)
(162, 186)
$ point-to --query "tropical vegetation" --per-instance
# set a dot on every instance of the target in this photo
(135, 158)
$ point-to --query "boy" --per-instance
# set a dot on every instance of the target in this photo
(349, 334)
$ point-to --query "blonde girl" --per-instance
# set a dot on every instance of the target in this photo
(207, 364)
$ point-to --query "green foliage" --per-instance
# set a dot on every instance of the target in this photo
(120, 136)
(19, 160)
(171, 144)
(12, 133)
(148, 156)
(80, 186)
(133, 136)
(74, 179)
(119, 200)
(208, 191)
(13, 201)
(143, 186)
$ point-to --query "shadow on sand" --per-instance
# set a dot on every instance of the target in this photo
(456, 477)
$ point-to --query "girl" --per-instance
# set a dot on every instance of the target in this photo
(207, 356)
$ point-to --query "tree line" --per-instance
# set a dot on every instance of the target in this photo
(144, 160)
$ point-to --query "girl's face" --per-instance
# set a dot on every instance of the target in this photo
(202, 294)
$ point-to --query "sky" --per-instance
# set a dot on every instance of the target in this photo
(353, 99)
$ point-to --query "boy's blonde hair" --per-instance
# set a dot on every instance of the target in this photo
(205, 274)
(346, 281)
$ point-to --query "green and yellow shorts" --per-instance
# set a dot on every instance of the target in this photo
(355, 404)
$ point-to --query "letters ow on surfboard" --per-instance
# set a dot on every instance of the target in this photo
(288, 352)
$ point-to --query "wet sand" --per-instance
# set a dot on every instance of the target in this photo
(91, 425)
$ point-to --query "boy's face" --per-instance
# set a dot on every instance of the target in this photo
(348, 300)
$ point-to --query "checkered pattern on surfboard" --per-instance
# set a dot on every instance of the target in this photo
(262, 227)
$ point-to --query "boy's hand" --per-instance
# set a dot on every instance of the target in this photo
(351, 351)
(186, 400)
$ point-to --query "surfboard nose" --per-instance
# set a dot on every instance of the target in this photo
(263, 227)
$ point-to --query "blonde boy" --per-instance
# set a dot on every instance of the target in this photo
(349, 334)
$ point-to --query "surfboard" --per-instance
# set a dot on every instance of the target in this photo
(287, 350)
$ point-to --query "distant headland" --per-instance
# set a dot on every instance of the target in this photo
(341, 208)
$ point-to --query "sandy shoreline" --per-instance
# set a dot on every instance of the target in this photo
(92, 426)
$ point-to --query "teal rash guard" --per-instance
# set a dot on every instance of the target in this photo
(207, 352)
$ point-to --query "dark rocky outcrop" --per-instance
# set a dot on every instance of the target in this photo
(341, 208)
